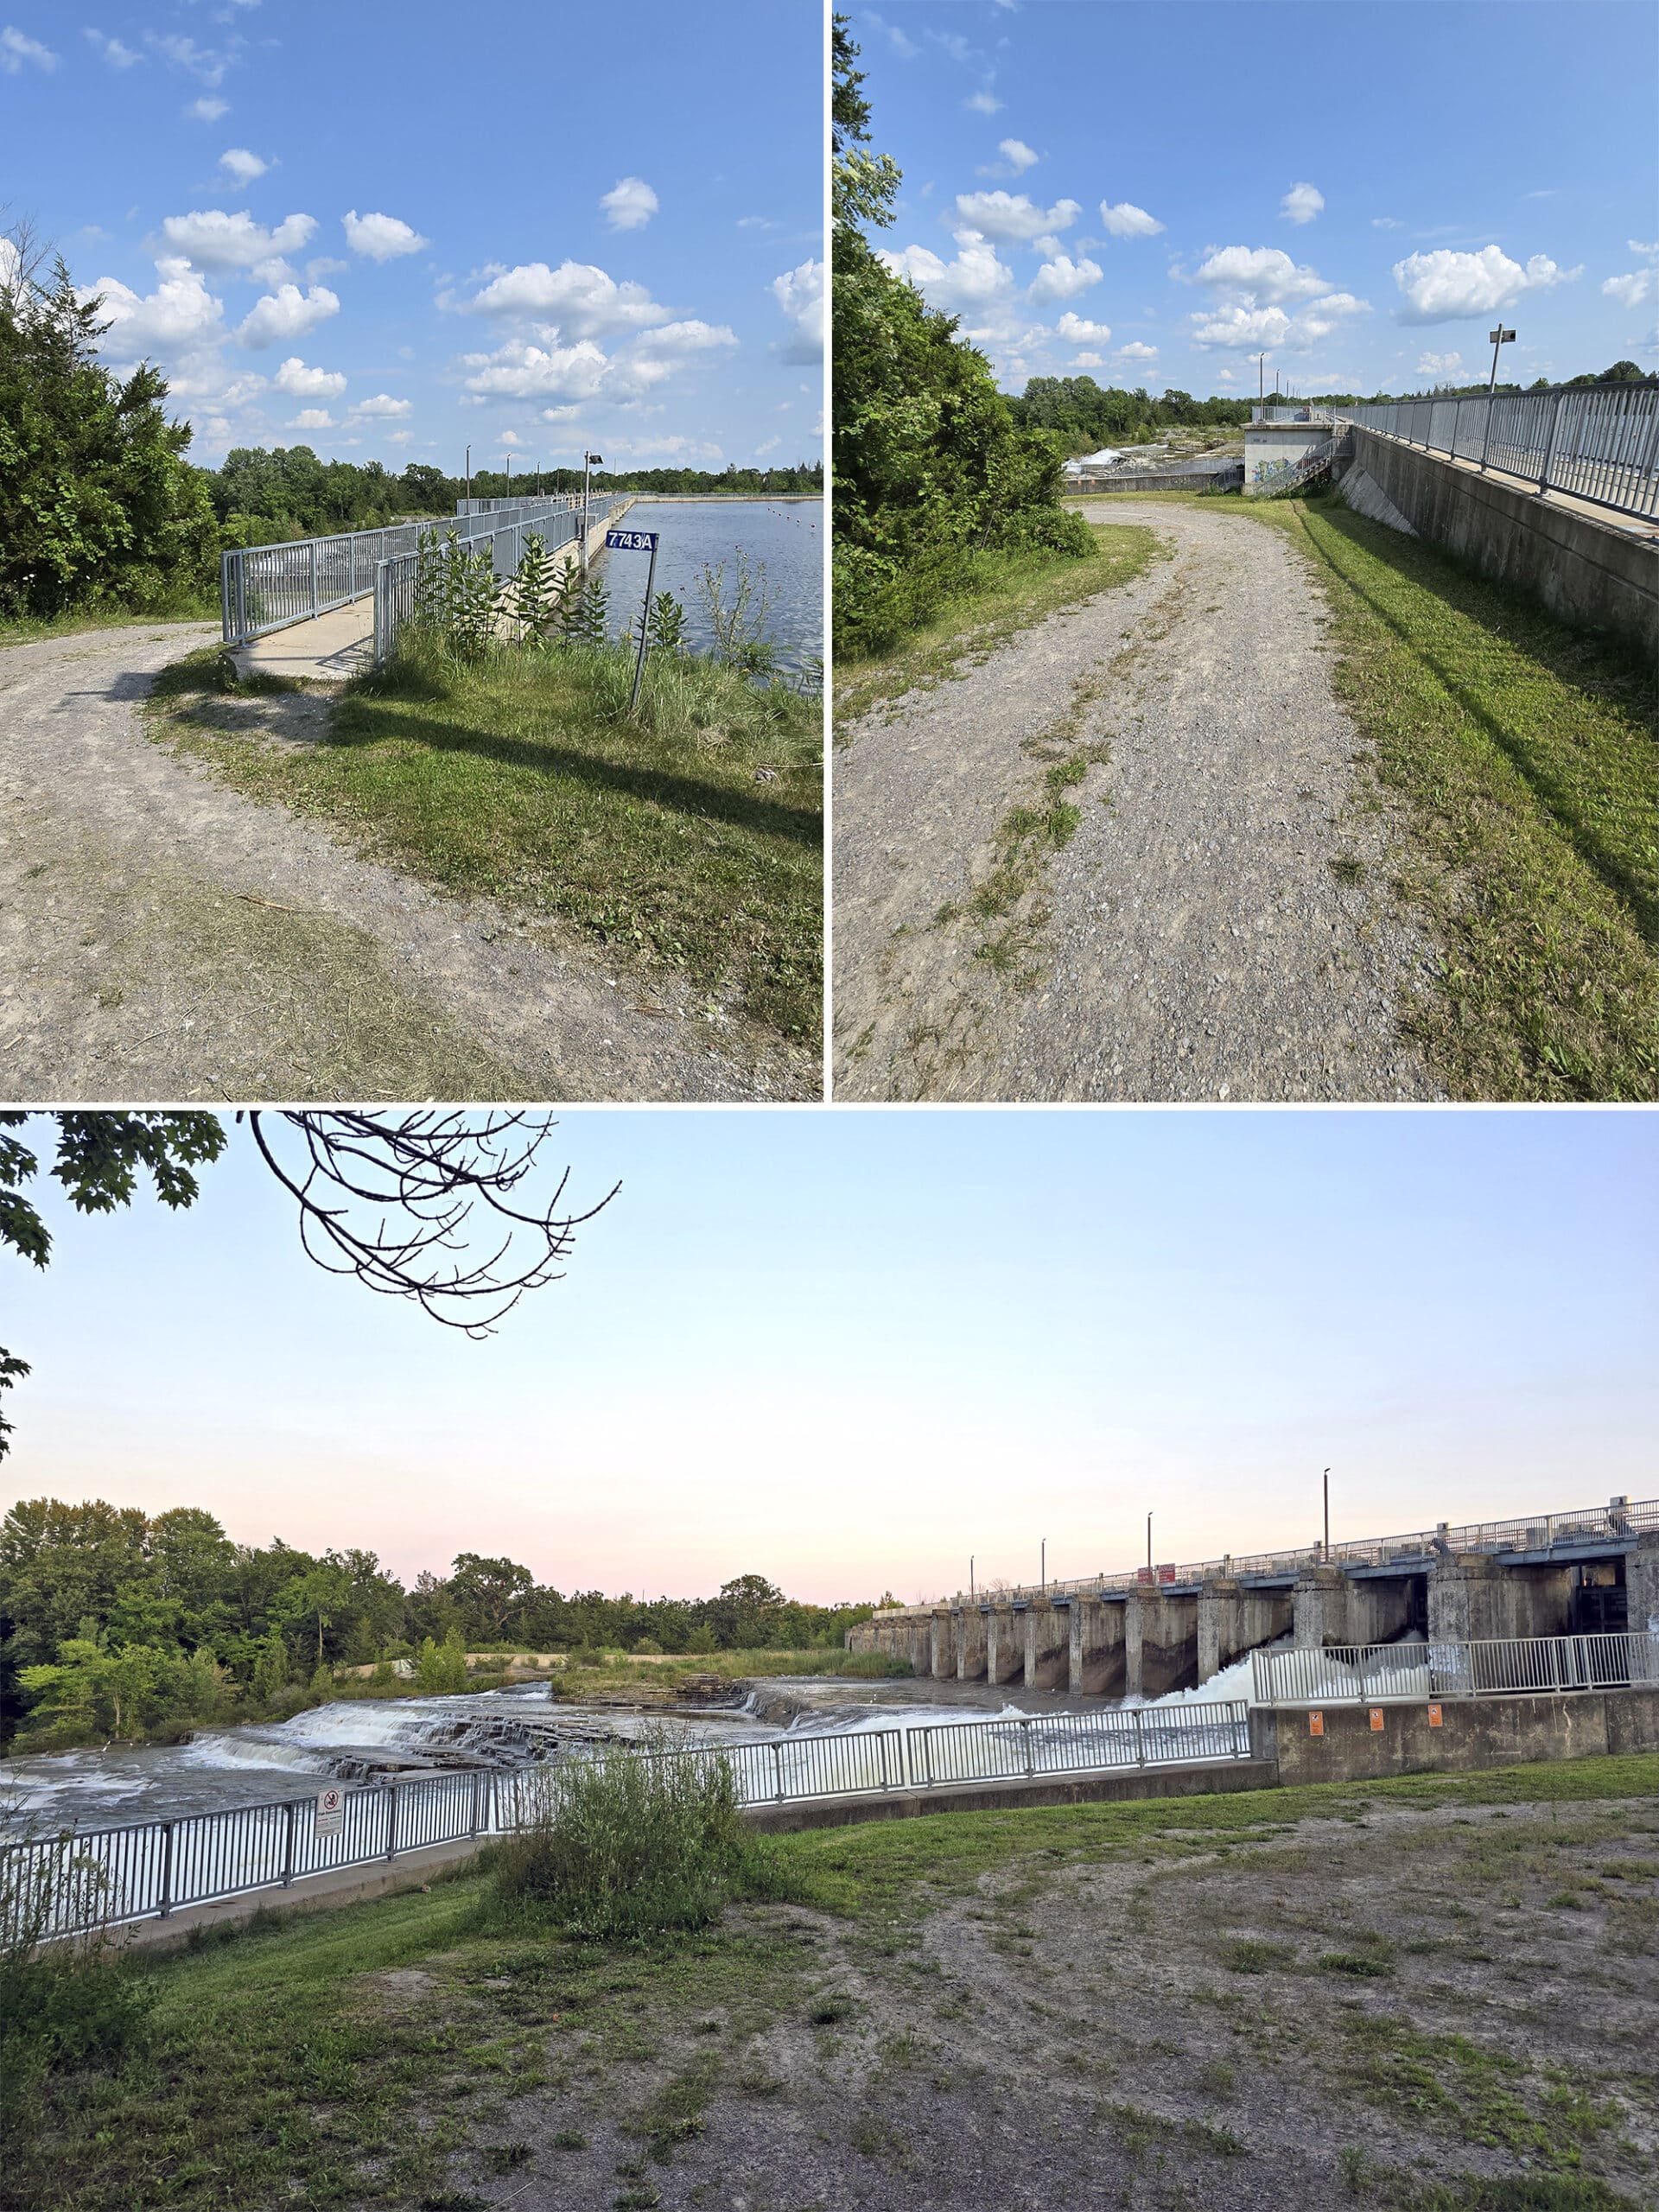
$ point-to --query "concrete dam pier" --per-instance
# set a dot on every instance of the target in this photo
(1144, 1634)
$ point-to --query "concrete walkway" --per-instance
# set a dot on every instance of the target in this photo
(330, 648)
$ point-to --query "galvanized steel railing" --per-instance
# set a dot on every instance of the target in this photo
(397, 577)
(1621, 1519)
(1380, 1673)
(1598, 442)
(103, 1877)
(263, 588)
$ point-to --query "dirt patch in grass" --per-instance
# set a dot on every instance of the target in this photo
(689, 841)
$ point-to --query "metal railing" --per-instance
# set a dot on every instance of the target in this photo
(1598, 442)
(1621, 1519)
(1380, 1673)
(104, 1876)
(265, 588)
(1274, 478)
(396, 579)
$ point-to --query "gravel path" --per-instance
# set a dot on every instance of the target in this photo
(163, 936)
(1218, 927)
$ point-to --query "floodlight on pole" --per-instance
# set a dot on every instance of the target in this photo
(1499, 338)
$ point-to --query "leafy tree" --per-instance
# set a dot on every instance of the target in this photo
(931, 465)
(101, 507)
(271, 1668)
(442, 1669)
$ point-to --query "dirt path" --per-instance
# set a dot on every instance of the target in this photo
(1219, 926)
(163, 936)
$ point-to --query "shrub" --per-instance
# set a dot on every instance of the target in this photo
(628, 1842)
(65, 2006)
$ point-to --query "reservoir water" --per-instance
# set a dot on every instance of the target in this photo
(786, 535)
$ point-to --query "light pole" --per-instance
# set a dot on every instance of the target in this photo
(1261, 376)
(1500, 338)
(970, 1578)
(1326, 1556)
(469, 476)
(1043, 1569)
(509, 472)
(1148, 1544)
(588, 459)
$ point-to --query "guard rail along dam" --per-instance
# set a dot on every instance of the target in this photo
(1145, 1631)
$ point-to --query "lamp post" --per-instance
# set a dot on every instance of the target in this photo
(1500, 338)
(1325, 1556)
(469, 476)
(1043, 1568)
(588, 461)
(970, 1578)
(1148, 1544)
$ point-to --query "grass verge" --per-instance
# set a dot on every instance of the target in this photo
(347, 2057)
(1011, 591)
(689, 839)
(25, 630)
(1526, 755)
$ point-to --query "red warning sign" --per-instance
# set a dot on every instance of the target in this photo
(1316, 1724)
(1433, 1716)
(1376, 1720)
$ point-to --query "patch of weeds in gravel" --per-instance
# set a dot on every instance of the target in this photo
(1485, 2095)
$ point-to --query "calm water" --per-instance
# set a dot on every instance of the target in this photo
(786, 535)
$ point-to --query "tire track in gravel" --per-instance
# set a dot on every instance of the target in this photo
(164, 936)
(1219, 925)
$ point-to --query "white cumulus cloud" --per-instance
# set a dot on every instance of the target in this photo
(1126, 220)
(1263, 274)
(690, 337)
(1641, 284)
(975, 283)
(1442, 366)
(1441, 286)
(313, 418)
(1011, 217)
(629, 204)
(241, 165)
(1234, 325)
(381, 237)
(1064, 278)
(1134, 351)
(384, 407)
(1019, 156)
(15, 48)
(212, 239)
(1302, 203)
(523, 371)
(179, 315)
(1080, 332)
(208, 109)
(574, 295)
(287, 312)
(799, 292)
(302, 382)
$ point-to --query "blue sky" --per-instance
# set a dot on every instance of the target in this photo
(850, 1349)
(388, 232)
(1155, 193)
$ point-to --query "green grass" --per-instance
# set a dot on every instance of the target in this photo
(336, 2060)
(690, 840)
(25, 629)
(1011, 592)
(1525, 756)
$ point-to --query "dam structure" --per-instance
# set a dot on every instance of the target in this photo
(1145, 1631)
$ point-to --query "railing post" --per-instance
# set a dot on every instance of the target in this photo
(475, 1783)
(1140, 1739)
(167, 1870)
(314, 575)
(288, 1842)
(392, 1822)
(778, 1772)
(1549, 445)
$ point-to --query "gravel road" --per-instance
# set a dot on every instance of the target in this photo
(1220, 925)
(163, 936)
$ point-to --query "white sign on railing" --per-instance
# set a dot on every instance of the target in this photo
(331, 1812)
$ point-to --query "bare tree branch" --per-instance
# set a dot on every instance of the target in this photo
(393, 1198)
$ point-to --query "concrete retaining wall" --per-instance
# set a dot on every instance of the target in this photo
(1474, 1734)
(1587, 573)
(1222, 479)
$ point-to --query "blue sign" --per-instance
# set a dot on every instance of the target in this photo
(631, 541)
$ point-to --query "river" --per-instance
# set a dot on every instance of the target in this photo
(786, 536)
(363, 1739)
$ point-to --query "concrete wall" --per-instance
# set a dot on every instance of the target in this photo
(1331, 1607)
(1470, 1597)
(1586, 573)
(1048, 1647)
(1233, 1620)
(1474, 1733)
(1095, 1660)
(1225, 478)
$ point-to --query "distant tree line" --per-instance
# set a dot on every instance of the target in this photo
(118, 1624)
(1086, 415)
